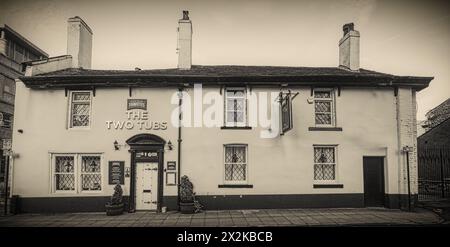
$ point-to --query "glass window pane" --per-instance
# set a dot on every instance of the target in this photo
(231, 117)
(90, 164)
(80, 109)
(318, 174)
(91, 182)
(323, 118)
(328, 172)
(235, 154)
(65, 181)
(81, 96)
(64, 164)
(80, 120)
(322, 94)
(324, 155)
(235, 172)
(322, 106)
(235, 93)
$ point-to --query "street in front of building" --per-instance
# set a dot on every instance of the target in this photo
(234, 218)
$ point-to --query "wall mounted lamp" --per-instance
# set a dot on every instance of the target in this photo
(116, 145)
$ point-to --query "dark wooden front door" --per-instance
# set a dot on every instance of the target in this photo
(373, 181)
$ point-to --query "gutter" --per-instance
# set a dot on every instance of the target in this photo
(46, 82)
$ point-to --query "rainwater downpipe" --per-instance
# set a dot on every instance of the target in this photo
(179, 140)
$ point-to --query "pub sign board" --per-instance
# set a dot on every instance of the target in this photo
(286, 113)
(133, 104)
(116, 172)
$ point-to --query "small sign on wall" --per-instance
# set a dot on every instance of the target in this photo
(116, 172)
(171, 165)
(136, 104)
(171, 178)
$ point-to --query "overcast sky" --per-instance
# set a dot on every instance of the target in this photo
(399, 37)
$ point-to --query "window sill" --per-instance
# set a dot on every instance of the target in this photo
(328, 186)
(325, 128)
(236, 127)
(235, 186)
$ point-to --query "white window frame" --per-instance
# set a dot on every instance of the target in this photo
(70, 117)
(80, 157)
(53, 174)
(332, 101)
(246, 181)
(244, 117)
(336, 174)
(77, 173)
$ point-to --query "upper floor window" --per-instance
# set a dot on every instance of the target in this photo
(235, 107)
(236, 163)
(324, 163)
(80, 109)
(324, 107)
(6, 120)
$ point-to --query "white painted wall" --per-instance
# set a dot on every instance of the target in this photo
(283, 165)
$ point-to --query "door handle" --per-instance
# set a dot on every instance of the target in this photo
(147, 191)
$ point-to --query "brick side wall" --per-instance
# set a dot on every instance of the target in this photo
(407, 136)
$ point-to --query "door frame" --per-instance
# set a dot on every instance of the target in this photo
(383, 173)
(148, 143)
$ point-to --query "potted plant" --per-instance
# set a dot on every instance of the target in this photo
(187, 198)
(115, 206)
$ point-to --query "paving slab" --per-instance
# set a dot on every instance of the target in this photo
(263, 217)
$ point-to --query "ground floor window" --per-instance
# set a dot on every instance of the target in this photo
(236, 163)
(324, 163)
(76, 172)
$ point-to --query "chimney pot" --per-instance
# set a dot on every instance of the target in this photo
(185, 15)
(348, 27)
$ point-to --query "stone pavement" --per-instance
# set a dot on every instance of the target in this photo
(263, 217)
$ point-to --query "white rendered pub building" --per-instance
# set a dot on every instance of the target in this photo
(332, 136)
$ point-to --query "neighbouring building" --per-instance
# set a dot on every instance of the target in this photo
(14, 49)
(334, 136)
(437, 115)
(437, 127)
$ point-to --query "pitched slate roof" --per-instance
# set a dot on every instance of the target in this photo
(223, 75)
(223, 70)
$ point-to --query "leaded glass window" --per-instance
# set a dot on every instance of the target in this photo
(325, 163)
(64, 173)
(324, 107)
(80, 109)
(235, 107)
(235, 163)
(77, 172)
(90, 173)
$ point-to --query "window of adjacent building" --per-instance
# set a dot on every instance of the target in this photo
(19, 54)
(77, 173)
(80, 109)
(236, 163)
(8, 90)
(324, 107)
(6, 120)
(10, 49)
(235, 107)
(325, 163)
